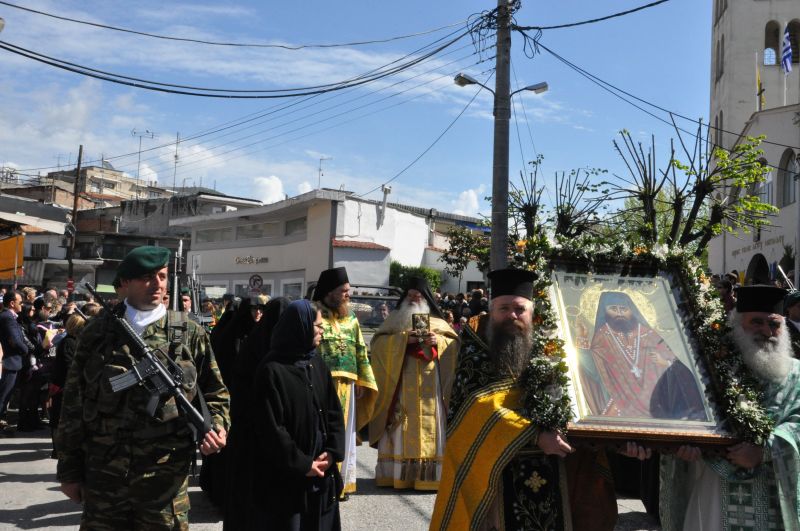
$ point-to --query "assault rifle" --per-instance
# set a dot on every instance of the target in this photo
(151, 373)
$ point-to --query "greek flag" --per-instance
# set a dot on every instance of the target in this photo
(786, 56)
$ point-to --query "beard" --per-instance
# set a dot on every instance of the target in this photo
(337, 309)
(400, 319)
(510, 345)
(769, 360)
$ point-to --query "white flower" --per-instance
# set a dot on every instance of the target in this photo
(555, 392)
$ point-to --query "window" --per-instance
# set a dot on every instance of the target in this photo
(257, 230)
(786, 178)
(772, 37)
(40, 250)
(214, 235)
(716, 130)
(794, 33)
(293, 289)
(111, 250)
(296, 226)
(85, 250)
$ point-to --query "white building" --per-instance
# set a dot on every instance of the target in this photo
(747, 37)
(289, 243)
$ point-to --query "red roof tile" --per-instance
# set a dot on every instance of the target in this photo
(352, 244)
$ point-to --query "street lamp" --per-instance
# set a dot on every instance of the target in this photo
(498, 257)
(2, 24)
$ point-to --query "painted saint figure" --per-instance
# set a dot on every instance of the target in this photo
(630, 371)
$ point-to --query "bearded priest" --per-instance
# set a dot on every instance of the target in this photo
(413, 358)
(754, 486)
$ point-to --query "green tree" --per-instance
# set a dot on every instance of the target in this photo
(464, 246)
(400, 274)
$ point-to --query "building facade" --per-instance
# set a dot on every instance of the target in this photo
(284, 246)
(747, 44)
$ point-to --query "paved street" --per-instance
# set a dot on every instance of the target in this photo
(30, 497)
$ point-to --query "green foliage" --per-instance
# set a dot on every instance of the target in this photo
(464, 246)
(399, 275)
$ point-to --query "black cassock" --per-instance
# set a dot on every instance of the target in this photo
(297, 416)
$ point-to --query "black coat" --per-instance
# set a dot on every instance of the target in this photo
(290, 399)
(13, 341)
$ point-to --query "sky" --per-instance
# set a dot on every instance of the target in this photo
(366, 135)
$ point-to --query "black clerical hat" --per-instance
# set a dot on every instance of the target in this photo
(512, 281)
(329, 280)
(418, 283)
(760, 298)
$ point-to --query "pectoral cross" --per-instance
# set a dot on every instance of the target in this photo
(636, 372)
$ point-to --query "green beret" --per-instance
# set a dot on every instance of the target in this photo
(143, 260)
(791, 299)
(186, 291)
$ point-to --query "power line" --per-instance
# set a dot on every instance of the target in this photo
(436, 141)
(590, 21)
(249, 117)
(327, 119)
(613, 90)
(233, 44)
(226, 93)
(600, 81)
(331, 97)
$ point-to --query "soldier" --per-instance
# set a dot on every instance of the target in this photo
(128, 468)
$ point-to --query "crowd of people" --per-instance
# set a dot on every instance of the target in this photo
(287, 390)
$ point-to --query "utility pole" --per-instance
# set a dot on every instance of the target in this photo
(74, 222)
(140, 134)
(498, 257)
(175, 168)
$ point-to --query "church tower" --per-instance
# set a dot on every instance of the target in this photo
(747, 46)
(746, 38)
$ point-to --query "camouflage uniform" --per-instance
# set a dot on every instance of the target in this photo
(133, 467)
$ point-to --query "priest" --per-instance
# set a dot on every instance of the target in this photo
(413, 356)
(344, 351)
(501, 470)
(752, 486)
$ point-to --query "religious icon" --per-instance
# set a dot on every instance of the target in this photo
(421, 323)
(633, 365)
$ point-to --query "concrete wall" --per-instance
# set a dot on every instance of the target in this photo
(54, 242)
(451, 284)
(405, 234)
(364, 266)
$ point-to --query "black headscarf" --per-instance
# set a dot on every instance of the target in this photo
(258, 341)
(293, 335)
(421, 285)
(253, 350)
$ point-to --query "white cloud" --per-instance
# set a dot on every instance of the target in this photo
(147, 174)
(304, 187)
(469, 201)
(268, 189)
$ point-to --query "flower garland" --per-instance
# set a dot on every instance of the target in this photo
(545, 379)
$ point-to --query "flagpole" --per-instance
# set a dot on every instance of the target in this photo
(758, 88)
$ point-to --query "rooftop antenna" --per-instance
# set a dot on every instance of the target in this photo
(141, 134)
(319, 174)
(175, 168)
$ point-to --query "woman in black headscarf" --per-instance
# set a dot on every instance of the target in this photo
(299, 430)
(243, 454)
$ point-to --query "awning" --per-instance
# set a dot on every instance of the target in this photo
(75, 262)
(16, 211)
